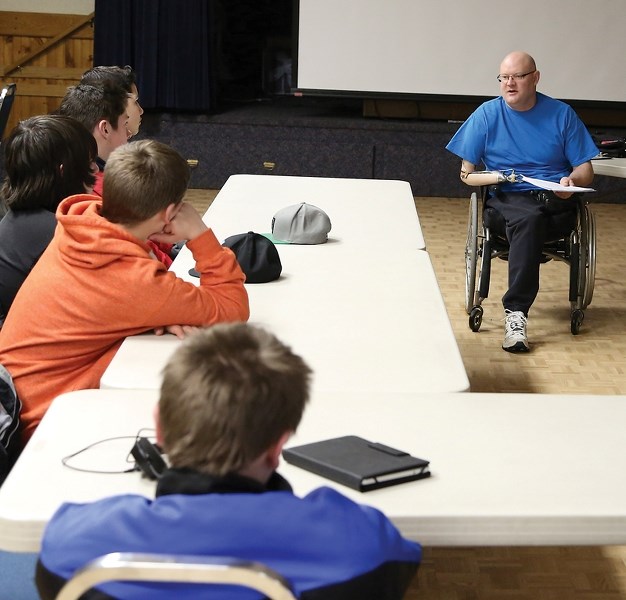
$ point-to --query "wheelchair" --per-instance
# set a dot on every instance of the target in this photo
(486, 240)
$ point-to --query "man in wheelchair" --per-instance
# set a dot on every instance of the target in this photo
(524, 133)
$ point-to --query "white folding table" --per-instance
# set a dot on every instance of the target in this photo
(362, 211)
(362, 323)
(364, 310)
(507, 469)
(612, 167)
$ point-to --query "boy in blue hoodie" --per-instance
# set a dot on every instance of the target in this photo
(231, 397)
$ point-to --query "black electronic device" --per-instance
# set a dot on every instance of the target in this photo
(148, 458)
(358, 463)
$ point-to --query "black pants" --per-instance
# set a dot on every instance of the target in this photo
(528, 220)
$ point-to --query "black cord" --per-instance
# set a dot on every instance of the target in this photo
(65, 461)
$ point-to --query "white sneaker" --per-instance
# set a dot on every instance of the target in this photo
(515, 339)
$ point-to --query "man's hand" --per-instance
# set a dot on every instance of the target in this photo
(581, 175)
(566, 181)
(185, 224)
(180, 331)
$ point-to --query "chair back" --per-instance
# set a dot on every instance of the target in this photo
(10, 406)
(125, 566)
(6, 102)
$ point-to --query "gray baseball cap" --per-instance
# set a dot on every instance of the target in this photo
(300, 224)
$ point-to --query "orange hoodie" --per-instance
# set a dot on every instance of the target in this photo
(94, 285)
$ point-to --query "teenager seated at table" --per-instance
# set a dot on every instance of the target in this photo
(97, 283)
(126, 78)
(106, 107)
(120, 78)
(103, 110)
(46, 159)
(231, 397)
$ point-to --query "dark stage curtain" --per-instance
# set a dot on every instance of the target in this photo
(167, 42)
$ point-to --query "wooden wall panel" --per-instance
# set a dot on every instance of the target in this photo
(43, 54)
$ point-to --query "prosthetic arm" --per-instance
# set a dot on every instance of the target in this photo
(478, 178)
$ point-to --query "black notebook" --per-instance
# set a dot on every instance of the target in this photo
(357, 463)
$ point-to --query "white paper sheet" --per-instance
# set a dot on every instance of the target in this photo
(555, 187)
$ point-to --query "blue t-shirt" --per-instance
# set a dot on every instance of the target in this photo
(545, 142)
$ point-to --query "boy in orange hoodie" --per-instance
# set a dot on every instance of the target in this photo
(97, 283)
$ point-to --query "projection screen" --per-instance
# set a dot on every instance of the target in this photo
(454, 48)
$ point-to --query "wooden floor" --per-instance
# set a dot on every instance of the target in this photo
(592, 362)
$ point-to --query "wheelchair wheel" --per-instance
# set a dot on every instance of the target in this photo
(583, 262)
(476, 318)
(587, 270)
(577, 320)
(471, 255)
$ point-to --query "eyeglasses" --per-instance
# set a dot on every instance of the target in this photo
(506, 78)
